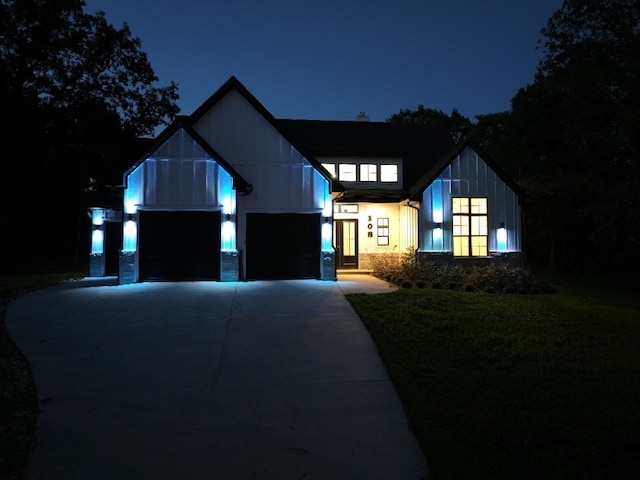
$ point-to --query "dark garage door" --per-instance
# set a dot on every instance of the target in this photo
(282, 245)
(179, 246)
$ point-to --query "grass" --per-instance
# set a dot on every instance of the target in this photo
(18, 396)
(515, 386)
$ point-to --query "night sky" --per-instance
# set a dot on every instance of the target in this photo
(330, 59)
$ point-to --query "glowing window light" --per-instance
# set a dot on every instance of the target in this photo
(97, 241)
(130, 236)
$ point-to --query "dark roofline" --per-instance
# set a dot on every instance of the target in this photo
(434, 172)
(182, 123)
(234, 83)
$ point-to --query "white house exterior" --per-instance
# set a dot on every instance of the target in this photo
(230, 193)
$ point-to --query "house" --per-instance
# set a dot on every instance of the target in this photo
(231, 193)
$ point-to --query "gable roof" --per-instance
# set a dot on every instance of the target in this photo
(420, 147)
(234, 84)
(438, 167)
(184, 123)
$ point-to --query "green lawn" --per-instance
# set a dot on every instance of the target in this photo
(515, 386)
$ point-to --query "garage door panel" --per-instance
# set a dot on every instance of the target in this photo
(283, 246)
(179, 246)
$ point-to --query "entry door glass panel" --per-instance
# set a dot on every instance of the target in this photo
(347, 243)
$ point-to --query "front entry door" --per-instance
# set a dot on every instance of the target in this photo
(346, 241)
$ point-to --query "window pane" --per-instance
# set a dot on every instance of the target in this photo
(479, 225)
(460, 225)
(479, 246)
(460, 205)
(461, 246)
(331, 168)
(368, 172)
(478, 205)
(388, 173)
(347, 172)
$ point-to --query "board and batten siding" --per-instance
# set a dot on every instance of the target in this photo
(468, 175)
(178, 175)
(283, 180)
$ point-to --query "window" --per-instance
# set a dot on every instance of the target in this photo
(388, 173)
(345, 208)
(368, 172)
(331, 168)
(347, 172)
(470, 227)
(383, 231)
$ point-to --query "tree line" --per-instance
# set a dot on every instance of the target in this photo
(79, 95)
(571, 140)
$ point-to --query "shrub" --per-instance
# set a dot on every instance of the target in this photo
(411, 270)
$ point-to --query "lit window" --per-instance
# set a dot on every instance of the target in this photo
(347, 172)
(345, 208)
(368, 172)
(388, 173)
(331, 168)
(470, 227)
(383, 231)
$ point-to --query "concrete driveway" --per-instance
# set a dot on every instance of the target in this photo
(208, 380)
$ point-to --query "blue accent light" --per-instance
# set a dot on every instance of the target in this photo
(436, 202)
(97, 241)
(228, 236)
(130, 236)
(97, 216)
(327, 237)
(501, 238)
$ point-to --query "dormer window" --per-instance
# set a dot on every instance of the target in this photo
(388, 173)
(347, 172)
(368, 172)
(331, 168)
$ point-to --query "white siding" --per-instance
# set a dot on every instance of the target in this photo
(179, 175)
(469, 176)
(283, 180)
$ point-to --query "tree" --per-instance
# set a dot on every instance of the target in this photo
(577, 131)
(75, 92)
(456, 124)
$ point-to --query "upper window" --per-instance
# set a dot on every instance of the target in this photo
(331, 168)
(470, 227)
(388, 173)
(347, 172)
(368, 172)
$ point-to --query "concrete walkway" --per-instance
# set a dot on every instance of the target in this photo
(207, 380)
